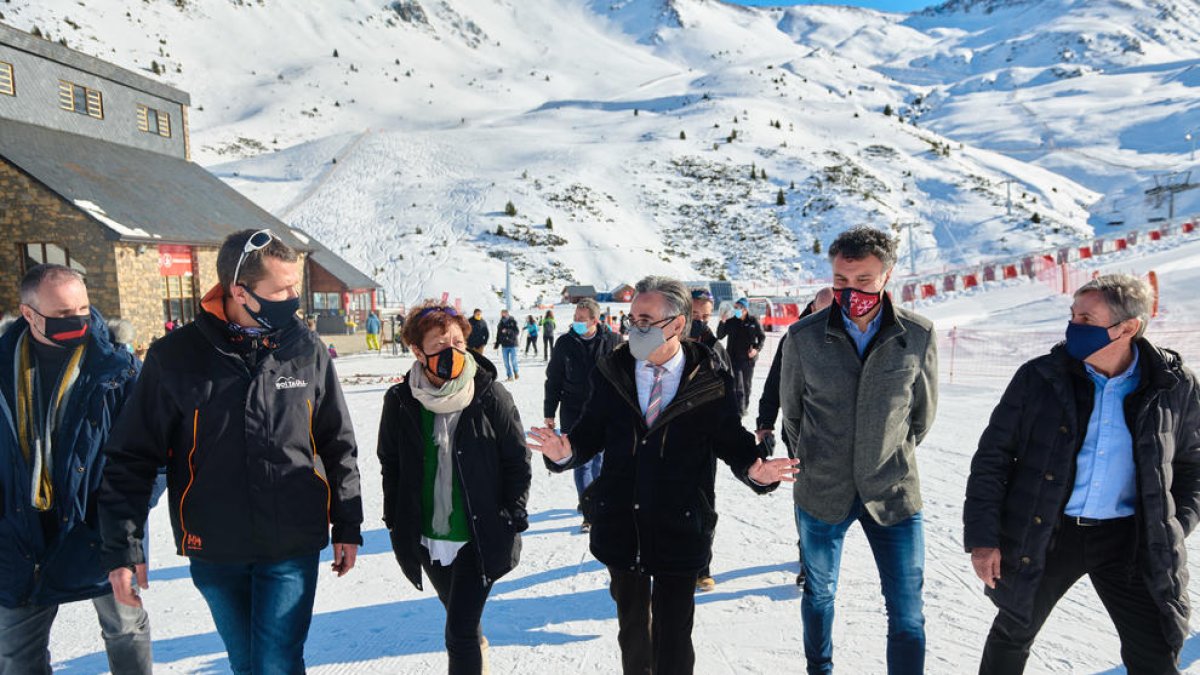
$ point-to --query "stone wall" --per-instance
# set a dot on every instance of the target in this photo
(31, 213)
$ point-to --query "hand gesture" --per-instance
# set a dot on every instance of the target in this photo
(550, 443)
(549, 422)
(773, 471)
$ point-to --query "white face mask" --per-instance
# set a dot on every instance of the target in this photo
(642, 345)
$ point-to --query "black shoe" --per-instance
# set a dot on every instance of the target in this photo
(800, 579)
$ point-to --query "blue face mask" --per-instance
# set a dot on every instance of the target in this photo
(1083, 340)
(737, 313)
(579, 327)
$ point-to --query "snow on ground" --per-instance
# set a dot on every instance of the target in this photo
(553, 615)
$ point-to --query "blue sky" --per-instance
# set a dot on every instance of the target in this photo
(885, 5)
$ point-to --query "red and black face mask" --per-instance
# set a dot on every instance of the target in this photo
(856, 303)
(66, 331)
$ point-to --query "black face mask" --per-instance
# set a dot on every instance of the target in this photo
(66, 331)
(699, 328)
(273, 314)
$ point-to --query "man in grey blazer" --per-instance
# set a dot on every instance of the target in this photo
(858, 390)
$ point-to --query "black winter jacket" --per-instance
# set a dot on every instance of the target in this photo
(478, 338)
(507, 332)
(568, 376)
(491, 464)
(744, 334)
(260, 460)
(651, 508)
(1023, 475)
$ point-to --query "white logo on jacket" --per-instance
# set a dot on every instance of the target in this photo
(285, 382)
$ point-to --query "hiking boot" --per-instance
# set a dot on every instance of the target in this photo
(705, 584)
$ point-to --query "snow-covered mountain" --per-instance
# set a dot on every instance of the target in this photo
(636, 136)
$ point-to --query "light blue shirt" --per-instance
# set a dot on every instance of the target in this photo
(1105, 475)
(861, 338)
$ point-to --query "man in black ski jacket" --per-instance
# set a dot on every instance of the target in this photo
(568, 379)
(744, 340)
(245, 411)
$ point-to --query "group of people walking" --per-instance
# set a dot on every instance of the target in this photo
(1090, 463)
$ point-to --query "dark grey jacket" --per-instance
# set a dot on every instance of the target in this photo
(1024, 472)
(855, 423)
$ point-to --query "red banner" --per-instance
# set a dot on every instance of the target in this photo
(174, 260)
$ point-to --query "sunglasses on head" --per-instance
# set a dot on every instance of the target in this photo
(429, 310)
(701, 294)
(257, 241)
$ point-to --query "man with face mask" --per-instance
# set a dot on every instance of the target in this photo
(662, 412)
(62, 384)
(244, 409)
(1090, 465)
(858, 391)
(745, 338)
(568, 380)
(700, 331)
(478, 339)
(702, 308)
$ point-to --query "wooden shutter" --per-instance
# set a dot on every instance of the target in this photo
(95, 104)
(142, 115)
(66, 99)
(7, 86)
(164, 124)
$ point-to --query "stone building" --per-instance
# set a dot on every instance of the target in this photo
(96, 173)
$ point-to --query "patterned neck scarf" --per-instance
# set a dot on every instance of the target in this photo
(36, 427)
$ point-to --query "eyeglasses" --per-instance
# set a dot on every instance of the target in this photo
(429, 310)
(257, 241)
(701, 294)
(644, 325)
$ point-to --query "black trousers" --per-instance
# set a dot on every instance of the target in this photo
(460, 588)
(654, 614)
(547, 345)
(743, 377)
(531, 341)
(1102, 552)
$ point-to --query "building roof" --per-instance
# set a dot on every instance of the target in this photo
(138, 195)
(25, 42)
(580, 290)
(333, 263)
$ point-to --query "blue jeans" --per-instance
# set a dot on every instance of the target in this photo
(510, 361)
(262, 611)
(900, 558)
(585, 474)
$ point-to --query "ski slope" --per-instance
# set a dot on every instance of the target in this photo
(552, 615)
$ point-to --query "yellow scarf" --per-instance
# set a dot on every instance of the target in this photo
(36, 439)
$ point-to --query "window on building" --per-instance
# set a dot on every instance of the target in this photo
(179, 298)
(78, 98)
(45, 252)
(327, 301)
(154, 121)
(7, 83)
